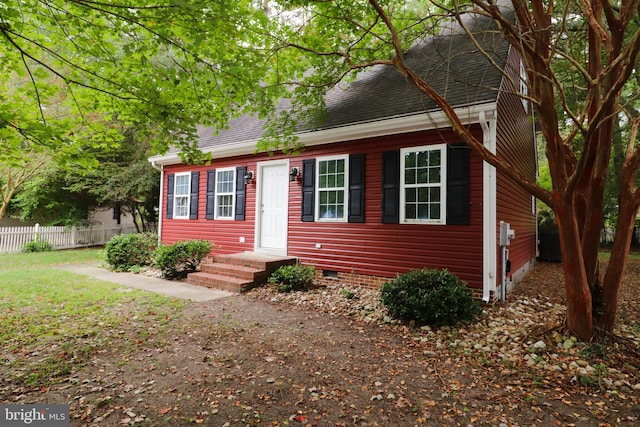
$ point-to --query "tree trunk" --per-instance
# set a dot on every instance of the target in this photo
(628, 204)
(579, 303)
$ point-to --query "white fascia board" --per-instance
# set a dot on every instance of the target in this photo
(391, 126)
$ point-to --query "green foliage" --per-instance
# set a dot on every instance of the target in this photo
(125, 251)
(433, 297)
(149, 64)
(64, 195)
(177, 260)
(348, 293)
(37, 245)
(546, 219)
(295, 277)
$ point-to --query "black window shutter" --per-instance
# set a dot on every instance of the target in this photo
(458, 184)
(308, 189)
(391, 187)
(356, 187)
(241, 192)
(211, 194)
(170, 184)
(193, 197)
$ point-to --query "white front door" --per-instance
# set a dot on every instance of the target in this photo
(272, 206)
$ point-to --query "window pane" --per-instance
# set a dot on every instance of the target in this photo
(423, 212)
(423, 175)
(434, 175)
(181, 206)
(410, 211)
(323, 198)
(410, 160)
(410, 176)
(410, 195)
(331, 166)
(434, 194)
(423, 194)
(435, 210)
(434, 158)
(422, 158)
(225, 181)
(182, 185)
(225, 206)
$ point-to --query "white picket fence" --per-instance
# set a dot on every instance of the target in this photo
(13, 239)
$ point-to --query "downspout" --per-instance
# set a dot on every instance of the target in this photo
(489, 248)
(160, 215)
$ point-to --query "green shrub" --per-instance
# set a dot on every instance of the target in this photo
(177, 260)
(432, 297)
(126, 251)
(37, 245)
(296, 277)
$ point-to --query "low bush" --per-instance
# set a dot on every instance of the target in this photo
(431, 297)
(295, 277)
(124, 252)
(37, 245)
(177, 260)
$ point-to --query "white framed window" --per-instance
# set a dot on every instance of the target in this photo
(181, 192)
(225, 193)
(524, 90)
(331, 189)
(423, 184)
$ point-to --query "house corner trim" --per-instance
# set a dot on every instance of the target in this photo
(489, 194)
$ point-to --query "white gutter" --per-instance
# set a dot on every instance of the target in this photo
(160, 204)
(391, 126)
(489, 191)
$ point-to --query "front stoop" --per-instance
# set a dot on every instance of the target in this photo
(237, 272)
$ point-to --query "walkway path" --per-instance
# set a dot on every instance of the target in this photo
(165, 287)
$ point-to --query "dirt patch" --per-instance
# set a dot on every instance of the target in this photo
(332, 357)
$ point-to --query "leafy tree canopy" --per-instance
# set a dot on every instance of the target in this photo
(161, 66)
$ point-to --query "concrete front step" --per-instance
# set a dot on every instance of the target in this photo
(237, 272)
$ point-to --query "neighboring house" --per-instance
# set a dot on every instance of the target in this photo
(110, 217)
(383, 186)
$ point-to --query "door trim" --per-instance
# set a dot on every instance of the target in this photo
(258, 214)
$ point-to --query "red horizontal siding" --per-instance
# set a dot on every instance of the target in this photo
(516, 142)
(369, 248)
(388, 249)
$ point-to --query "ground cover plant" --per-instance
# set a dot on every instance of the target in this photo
(329, 356)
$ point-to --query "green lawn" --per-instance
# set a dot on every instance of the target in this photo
(63, 317)
(606, 254)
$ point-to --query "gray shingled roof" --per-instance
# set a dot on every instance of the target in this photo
(451, 63)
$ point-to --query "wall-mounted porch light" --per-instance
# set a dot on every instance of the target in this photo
(293, 174)
(248, 177)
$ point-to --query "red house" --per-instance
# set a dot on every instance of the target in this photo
(383, 186)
